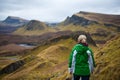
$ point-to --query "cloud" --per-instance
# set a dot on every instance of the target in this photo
(55, 10)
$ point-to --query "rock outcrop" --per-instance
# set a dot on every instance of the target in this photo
(87, 18)
(12, 67)
(76, 20)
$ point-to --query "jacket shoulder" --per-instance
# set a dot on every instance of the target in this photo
(79, 47)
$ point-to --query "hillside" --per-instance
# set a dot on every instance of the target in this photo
(107, 60)
(50, 62)
(40, 62)
(34, 27)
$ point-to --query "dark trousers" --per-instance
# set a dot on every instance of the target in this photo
(76, 77)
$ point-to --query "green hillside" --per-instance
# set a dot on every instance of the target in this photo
(42, 59)
(45, 62)
(50, 62)
(108, 61)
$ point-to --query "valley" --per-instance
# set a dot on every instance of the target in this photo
(36, 50)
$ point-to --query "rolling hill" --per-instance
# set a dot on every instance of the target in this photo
(34, 27)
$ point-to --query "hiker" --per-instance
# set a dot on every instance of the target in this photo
(81, 61)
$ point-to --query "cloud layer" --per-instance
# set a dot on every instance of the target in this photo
(55, 10)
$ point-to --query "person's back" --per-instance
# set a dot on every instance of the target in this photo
(81, 60)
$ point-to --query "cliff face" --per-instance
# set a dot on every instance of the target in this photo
(76, 20)
(87, 18)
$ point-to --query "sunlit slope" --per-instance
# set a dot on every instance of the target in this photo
(43, 59)
(108, 61)
(45, 62)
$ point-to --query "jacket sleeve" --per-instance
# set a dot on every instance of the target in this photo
(91, 60)
(70, 60)
(70, 63)
(72, 54)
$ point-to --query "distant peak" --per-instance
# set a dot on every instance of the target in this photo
(15, 20)
(14, 17)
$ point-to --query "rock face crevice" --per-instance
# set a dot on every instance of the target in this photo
(12, 67)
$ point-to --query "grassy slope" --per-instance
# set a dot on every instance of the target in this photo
(108, 61)
(92, 29)
(22, 31)
(48, 61)
(56, 53)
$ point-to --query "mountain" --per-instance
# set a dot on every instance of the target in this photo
(14, 21)
(11, 23)
(81, 21)
(86, 18)
(97, 24)
(34, 27)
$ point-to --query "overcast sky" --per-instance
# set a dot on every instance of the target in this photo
(55, 10)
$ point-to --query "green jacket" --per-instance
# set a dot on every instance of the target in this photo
(81, 61)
